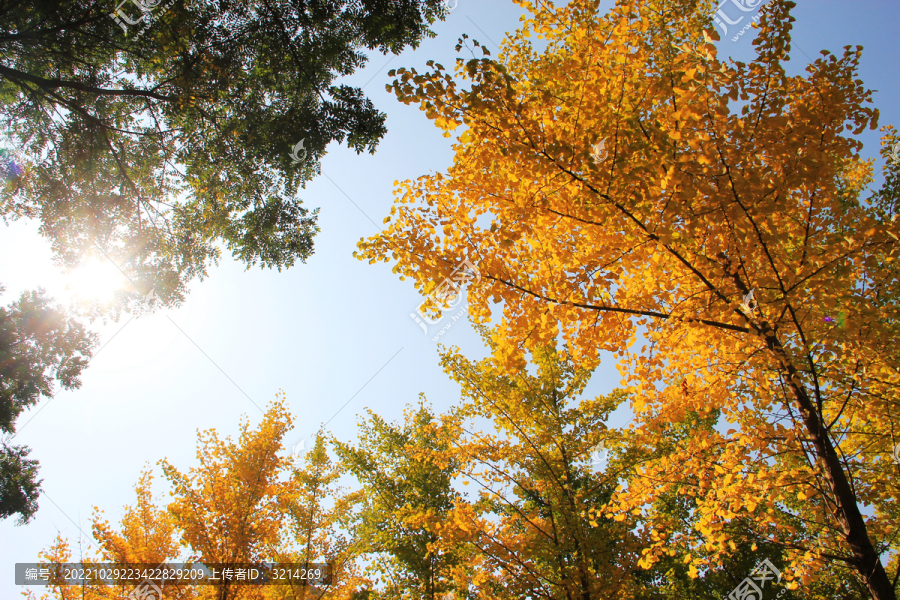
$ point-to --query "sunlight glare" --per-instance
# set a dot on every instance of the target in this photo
(98, 280)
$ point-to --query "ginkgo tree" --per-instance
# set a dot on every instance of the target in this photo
(405, 477)
(243, 503)
(532, 450)
(545, 463)
(626, 183)
(318, 515)
(146, 535)
(228, 509)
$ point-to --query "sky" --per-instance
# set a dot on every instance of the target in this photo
(334, 334)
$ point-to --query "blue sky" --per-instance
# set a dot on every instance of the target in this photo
(334, 334)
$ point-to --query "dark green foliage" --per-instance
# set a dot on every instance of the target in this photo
(19, 485)
(158, 143)
(38, 343)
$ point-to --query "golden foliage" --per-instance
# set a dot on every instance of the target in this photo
(721, 225)
(534, 522)
(243, 503)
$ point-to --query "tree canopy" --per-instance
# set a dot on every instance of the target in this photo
(244, 503)
(712, 225)
(158, 135)
(158, 143)
(39, 343)
(407, 498)
(627, 184)
(500, 498)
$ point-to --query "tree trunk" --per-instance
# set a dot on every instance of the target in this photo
(865, 558)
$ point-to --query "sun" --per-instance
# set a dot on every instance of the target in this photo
(97, 280)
